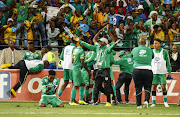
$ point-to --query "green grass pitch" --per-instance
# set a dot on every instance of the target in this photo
(31, 109)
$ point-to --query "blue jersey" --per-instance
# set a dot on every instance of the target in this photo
(116, 19)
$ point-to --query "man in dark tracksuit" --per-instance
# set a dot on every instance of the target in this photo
(126, 67)
(142, 73)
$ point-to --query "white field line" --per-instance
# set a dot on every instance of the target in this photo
(45, 113)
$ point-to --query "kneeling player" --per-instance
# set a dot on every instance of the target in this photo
(49, 87)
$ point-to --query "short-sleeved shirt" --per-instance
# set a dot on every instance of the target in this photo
(28, 55)
(78, 54)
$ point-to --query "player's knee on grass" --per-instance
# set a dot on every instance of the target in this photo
(42, 105)
(60, 105)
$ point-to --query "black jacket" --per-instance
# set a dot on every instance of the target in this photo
(175, 64)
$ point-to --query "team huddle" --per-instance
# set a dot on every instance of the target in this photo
(147, 67)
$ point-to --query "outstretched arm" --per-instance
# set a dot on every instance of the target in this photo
(97, 35)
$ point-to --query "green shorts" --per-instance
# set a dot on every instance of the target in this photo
(53, 100)
(67, 74)
(76, 75)
(85, 77)
(159, 79)
(111, 74)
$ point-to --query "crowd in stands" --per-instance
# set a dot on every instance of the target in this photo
(52, 22)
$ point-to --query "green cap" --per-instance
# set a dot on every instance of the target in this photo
(122, 52)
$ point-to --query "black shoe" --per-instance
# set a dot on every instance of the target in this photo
(120, 102)
(126, 102)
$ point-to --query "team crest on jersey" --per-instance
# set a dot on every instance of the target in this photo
(156, 58)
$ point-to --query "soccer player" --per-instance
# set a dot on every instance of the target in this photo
(49, 56)
(126, 67)
(103, 65)
(90, 61)
(78, 62)
(159, 63)
(142, 73)
(31, 54)
(66, 57)
(49, 88)
(26, 67)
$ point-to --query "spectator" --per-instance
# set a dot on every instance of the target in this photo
(52, 35)
(77, 18)
(140, 14)
(31, 54)
(121, 34)
(153, 20)
(47, 55)
(38, 24)
(173, 32)
(135, 16)
(175, 59)
(10, 55)
(10, 31)
(77, 6)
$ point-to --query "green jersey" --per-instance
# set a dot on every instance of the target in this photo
(28, 55)
(136, 20)
(145, 35)
(125, 64)
(151, 8)
(68, 16)
(53, 85)
(142, 56)
(78, 54)
(3, 20)
(23, 12)
(90, 59)
(89, 17)
(78, 7)
(103, 54)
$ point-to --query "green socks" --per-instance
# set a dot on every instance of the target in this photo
(86, 95)
(179, 101)
(99, 94)
(73, 94)
(165, 96)
(81, 92)
(114, 90)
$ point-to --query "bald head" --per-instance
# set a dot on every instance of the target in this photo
(174, 48)
(142, 41)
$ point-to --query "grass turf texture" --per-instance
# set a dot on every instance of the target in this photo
(31, 109)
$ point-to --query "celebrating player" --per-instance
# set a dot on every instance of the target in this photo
(49, 88)
(66, 57)
(78, 62)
